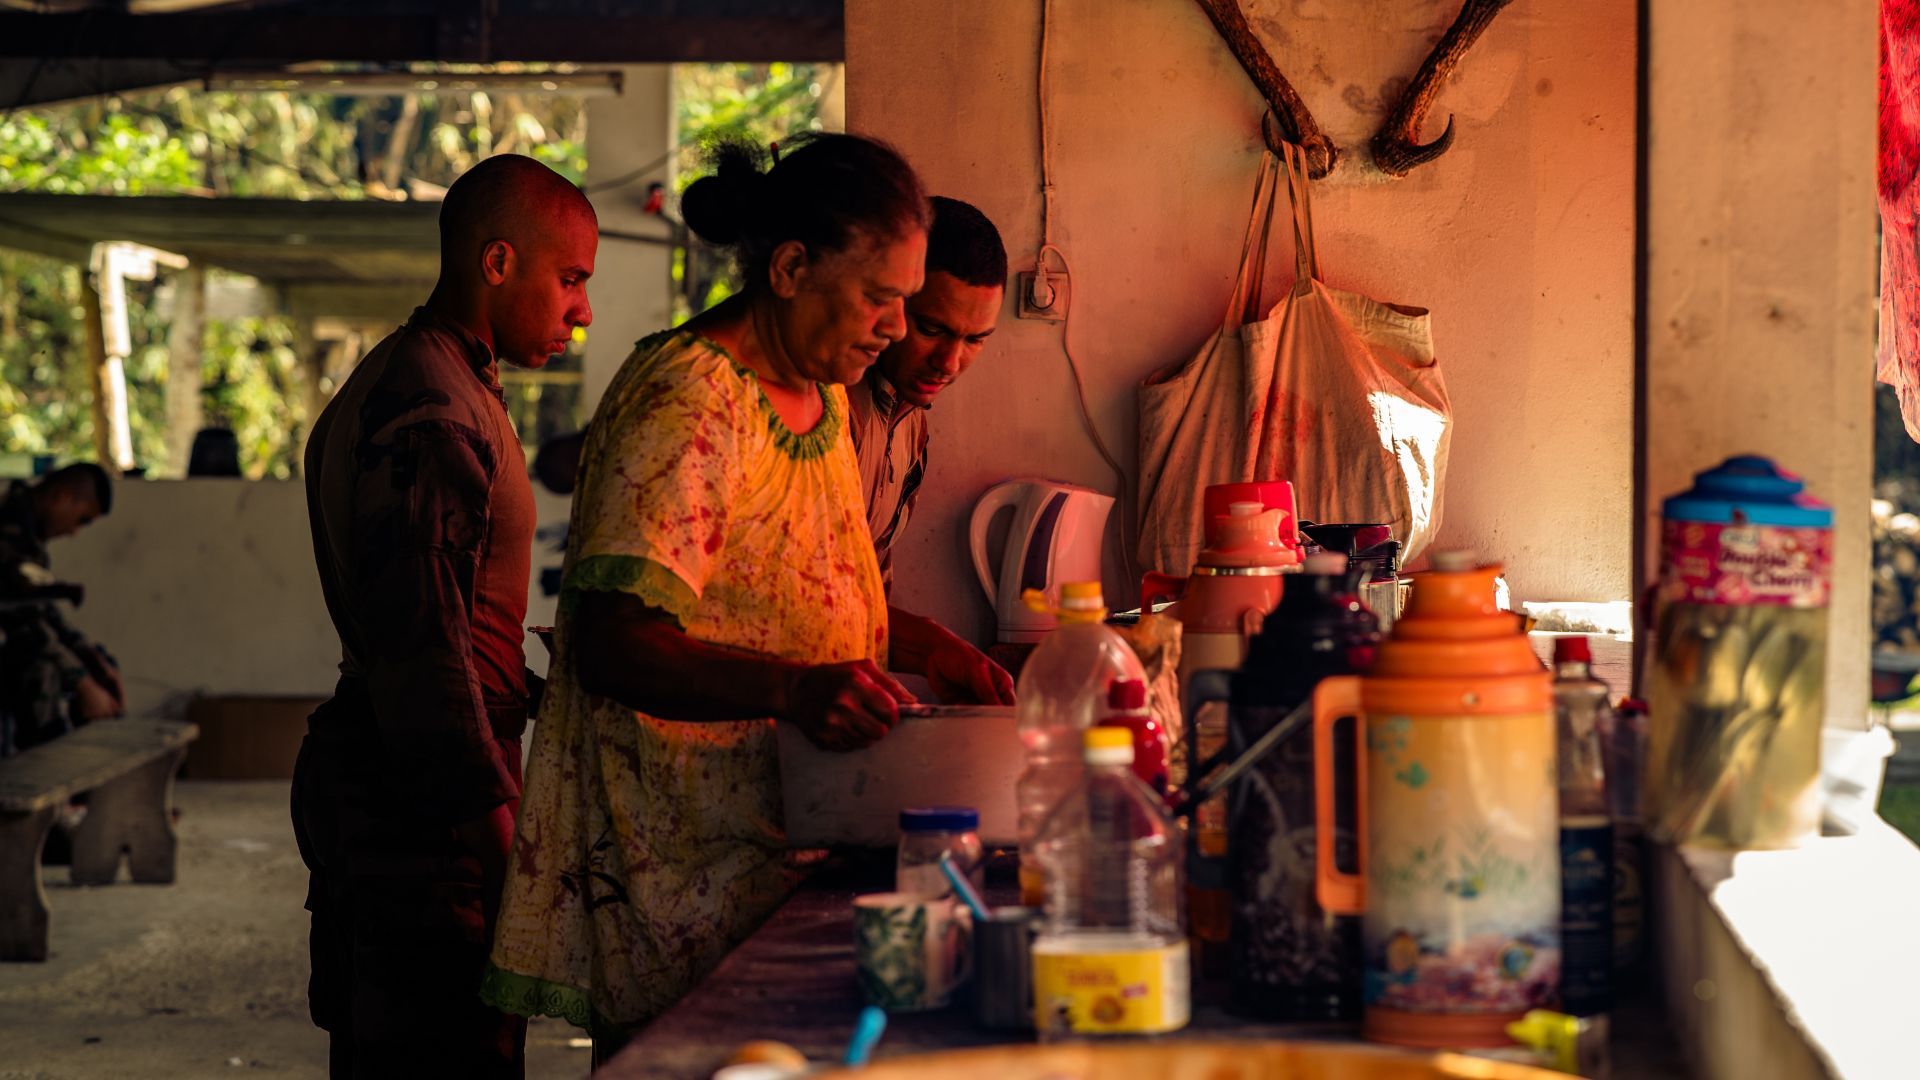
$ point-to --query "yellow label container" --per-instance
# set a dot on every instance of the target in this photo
(1110, 984)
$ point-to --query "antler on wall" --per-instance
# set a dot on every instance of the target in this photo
(1296, 122)
(1396, 148)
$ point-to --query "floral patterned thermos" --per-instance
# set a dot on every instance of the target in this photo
(1459, 883)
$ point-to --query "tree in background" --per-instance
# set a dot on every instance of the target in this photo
(753, 103)
(182, 141)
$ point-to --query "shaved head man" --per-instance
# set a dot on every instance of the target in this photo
(422, 518)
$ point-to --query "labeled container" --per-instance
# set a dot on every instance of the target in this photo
(1111, 955)
(1738, 681)
(1582, 716)
(1290, 958)
(1458, 830)
(1252, 543)
(1626, 763)
(928, 832)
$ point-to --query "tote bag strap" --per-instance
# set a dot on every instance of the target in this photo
(1306, 260)
(1244, 306)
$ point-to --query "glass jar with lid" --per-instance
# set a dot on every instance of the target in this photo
(928, 831)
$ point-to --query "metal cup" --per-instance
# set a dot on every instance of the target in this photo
(1003, 969)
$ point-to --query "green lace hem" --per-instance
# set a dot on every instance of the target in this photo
(808, 447)
(524, 995)
(657, 586)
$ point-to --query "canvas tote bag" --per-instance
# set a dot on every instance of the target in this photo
(1334, 391)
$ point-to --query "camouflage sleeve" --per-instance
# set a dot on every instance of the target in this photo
(423, 513)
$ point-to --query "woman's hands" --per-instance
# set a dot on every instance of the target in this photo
(959, 673)
(844, 706)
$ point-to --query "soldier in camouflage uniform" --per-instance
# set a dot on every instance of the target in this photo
(51, 676)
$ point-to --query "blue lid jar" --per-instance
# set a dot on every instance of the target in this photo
(939, 819)
(1748, 490)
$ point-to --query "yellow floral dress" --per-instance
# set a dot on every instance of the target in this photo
(648, 848)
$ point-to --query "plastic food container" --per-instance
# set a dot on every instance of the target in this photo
(926, 833)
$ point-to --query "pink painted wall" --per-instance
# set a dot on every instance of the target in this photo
(1519, 240)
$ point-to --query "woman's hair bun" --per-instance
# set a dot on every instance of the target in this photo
(721, 208)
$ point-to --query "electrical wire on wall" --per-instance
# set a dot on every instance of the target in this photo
(1043, 297)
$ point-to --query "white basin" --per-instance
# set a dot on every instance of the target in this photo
(957, 756)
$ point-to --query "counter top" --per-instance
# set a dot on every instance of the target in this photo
(793, 980)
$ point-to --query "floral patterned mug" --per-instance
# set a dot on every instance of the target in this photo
(911, 953)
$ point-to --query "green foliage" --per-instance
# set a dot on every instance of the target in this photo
(183, 141)
(45, 400)
(753, 103)
(262, 145)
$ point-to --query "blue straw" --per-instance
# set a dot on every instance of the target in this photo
(866, 1034)
(962, 887)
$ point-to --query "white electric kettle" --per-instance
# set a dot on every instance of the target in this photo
(1055, 537)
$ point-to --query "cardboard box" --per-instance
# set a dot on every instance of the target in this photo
(247, 738)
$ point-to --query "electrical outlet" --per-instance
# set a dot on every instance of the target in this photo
(1054, 307)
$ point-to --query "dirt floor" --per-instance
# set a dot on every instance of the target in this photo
(202, 978)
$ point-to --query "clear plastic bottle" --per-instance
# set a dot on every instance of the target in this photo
(1111, 956)
(1063, 692)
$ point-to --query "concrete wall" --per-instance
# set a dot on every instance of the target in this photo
(204, 586)
(1519, 239)
(632, 286)
(1760, 308)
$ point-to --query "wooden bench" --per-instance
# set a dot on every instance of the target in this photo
(128, 767)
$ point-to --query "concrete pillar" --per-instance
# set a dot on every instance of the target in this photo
(186, 334)
(1758, 312)
(632, 286)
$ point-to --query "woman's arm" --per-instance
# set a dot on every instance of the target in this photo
(637, 655)
(957, 671)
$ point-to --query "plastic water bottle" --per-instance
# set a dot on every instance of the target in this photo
(1063, 692)
(1111, 957)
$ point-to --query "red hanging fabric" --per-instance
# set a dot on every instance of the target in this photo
(1899, 357)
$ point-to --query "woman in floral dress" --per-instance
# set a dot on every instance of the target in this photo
(719, 572)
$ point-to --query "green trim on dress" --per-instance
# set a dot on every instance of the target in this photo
(525, 995)
(816, 443)
(656, 586)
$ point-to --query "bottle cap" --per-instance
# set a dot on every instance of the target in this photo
(917, 819)
(1080, 602)
(1752, 490)
(1572, 650)
(1108, 746)
(1127, 694)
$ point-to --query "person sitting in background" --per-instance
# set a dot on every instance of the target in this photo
(52, 678)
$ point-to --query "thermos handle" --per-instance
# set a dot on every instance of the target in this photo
(1156, 586)
(1203, 688)
(1333, 700)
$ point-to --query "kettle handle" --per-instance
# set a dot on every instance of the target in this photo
(1338, 892)
(996, 499)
